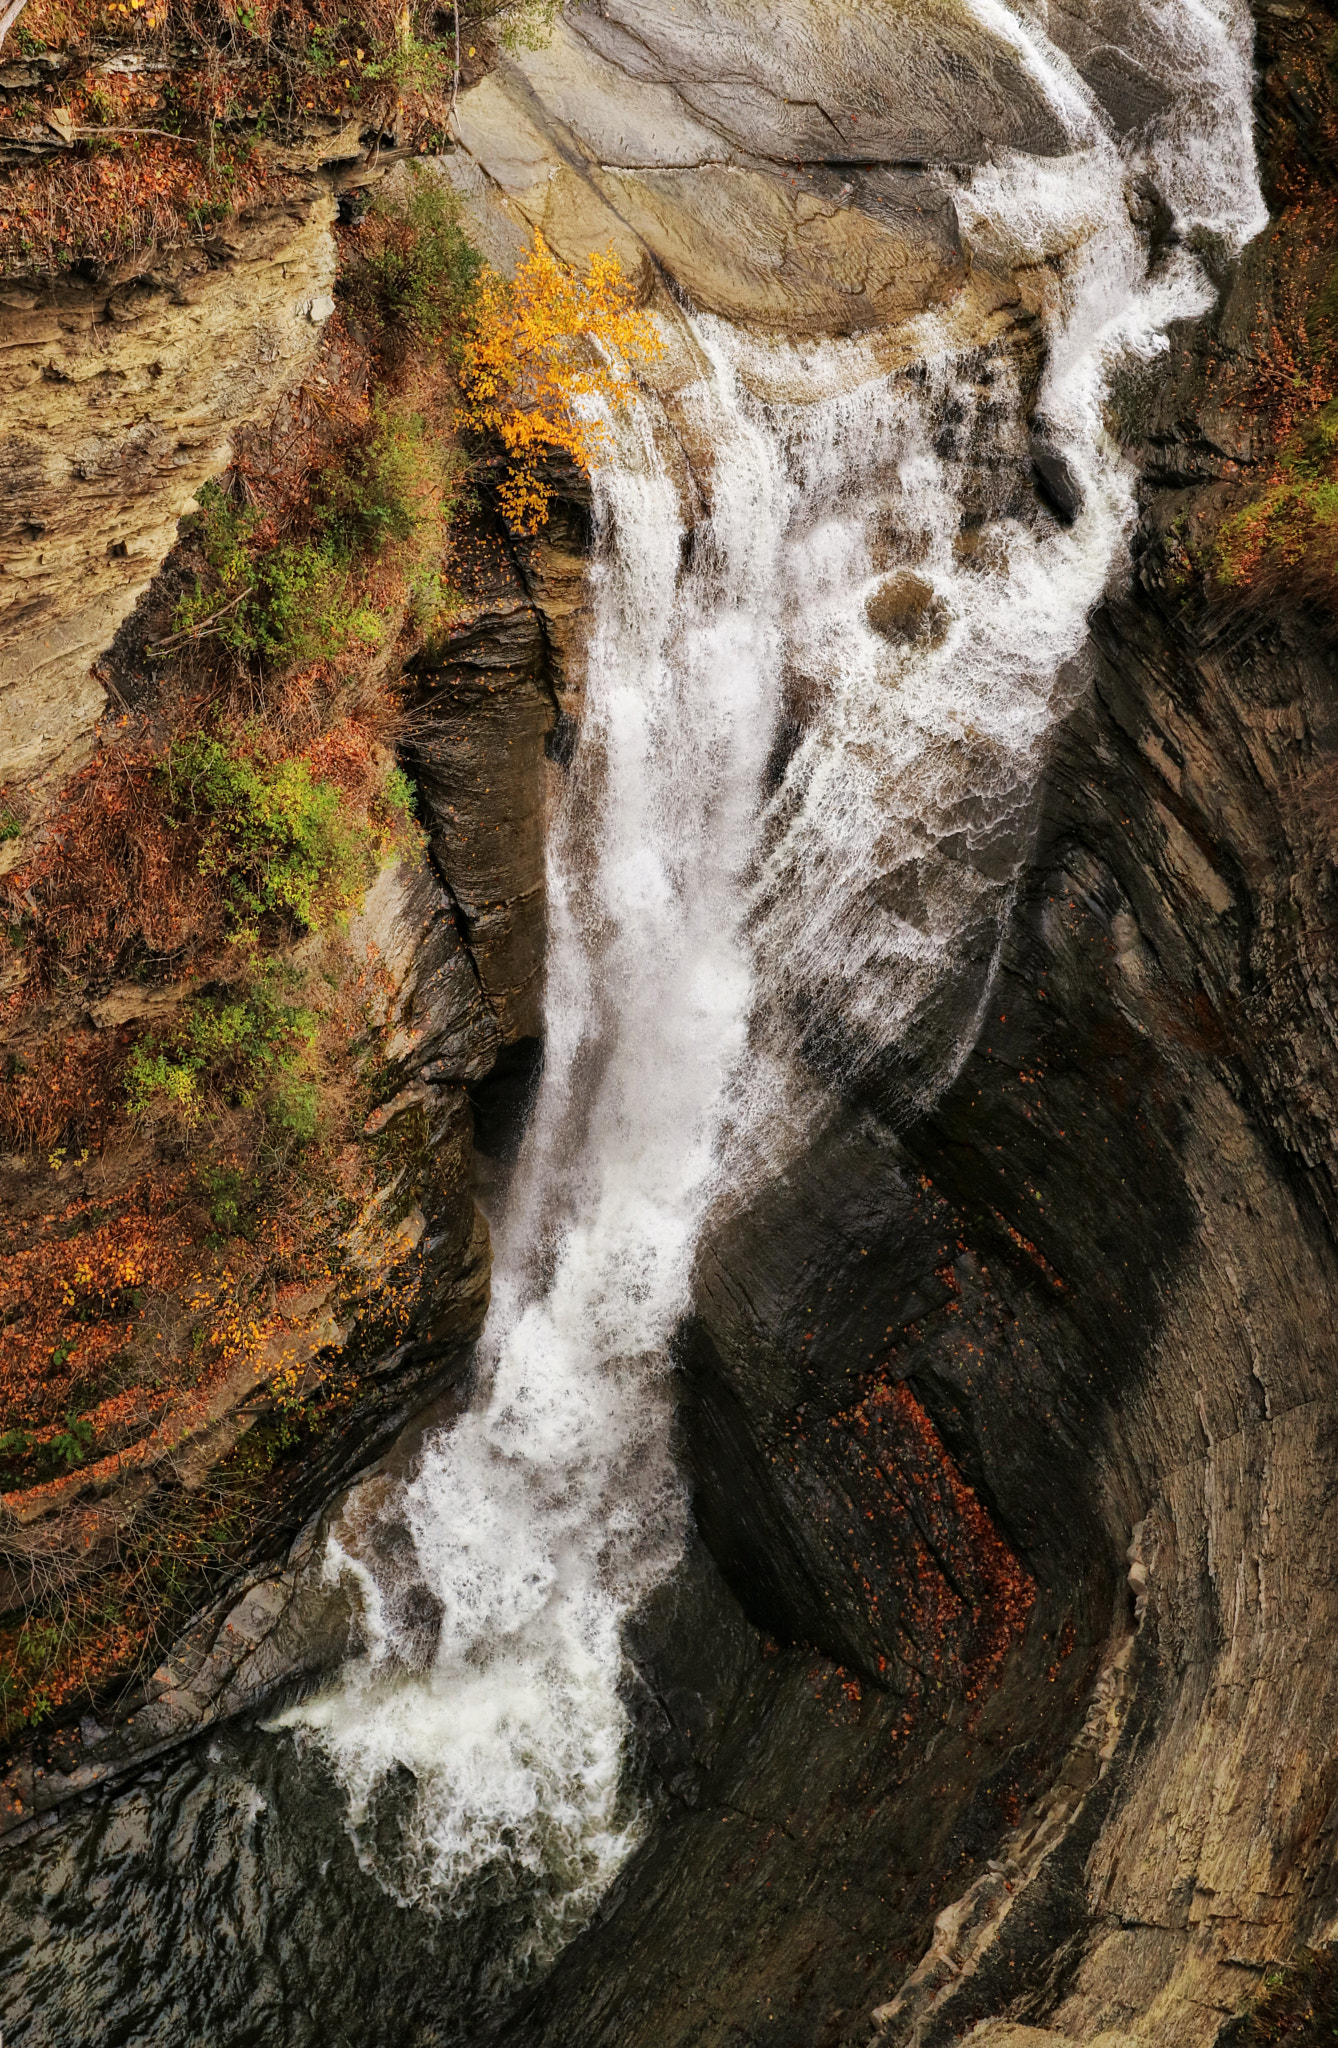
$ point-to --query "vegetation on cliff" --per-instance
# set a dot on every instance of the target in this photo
(126, 124)
(525, 368)
(1298, 2006)
(195, 1046)
(1275, 529)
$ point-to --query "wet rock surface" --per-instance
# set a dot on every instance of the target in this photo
(985, 1699)
(483, 710)
(205, 1901)
(783, 182)
(455, 941)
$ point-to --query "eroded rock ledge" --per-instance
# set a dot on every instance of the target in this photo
(1104, 1267)
(1108, 1266)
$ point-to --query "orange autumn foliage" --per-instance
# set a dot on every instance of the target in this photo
(537, 346)
(70, 1304)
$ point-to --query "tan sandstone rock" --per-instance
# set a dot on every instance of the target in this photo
(119, 400)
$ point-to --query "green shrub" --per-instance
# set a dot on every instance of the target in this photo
(233, 1199)
(412, 66)
(74, 1442)
(282, 605)
(294, 601)
(275, 839)
(417, 265)
(396, 804)
(1293, 525)
(245, 1050)
(528, 24)
(226, 531)
(302, 607)
(295, 1110)
(383, 487)
(25, 1461)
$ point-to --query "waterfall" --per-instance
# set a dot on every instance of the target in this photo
(787, 830)
(553, 1504)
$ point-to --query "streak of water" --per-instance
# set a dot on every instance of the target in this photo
(732, 913)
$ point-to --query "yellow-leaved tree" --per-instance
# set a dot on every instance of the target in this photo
(533, 348)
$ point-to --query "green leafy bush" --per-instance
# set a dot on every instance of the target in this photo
(27, 1460)
(394, 807)
(281, 605)
(417, 266)
(233, 1199)
(276, 840)
(247, 1049)
(528, 24)
(385, 486)
(1293, 525)
(294, 601)
(412, 66)
(74, 1442)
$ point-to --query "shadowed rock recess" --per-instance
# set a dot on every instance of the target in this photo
(995, 1697)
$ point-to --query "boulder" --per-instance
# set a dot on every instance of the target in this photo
(904, 608)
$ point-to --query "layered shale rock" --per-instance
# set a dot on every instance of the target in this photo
(120, 398)
(779, 182)
(1102, 1268)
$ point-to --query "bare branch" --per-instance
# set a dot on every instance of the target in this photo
(9, 17)
(455, 82)
(198, 630)
(168, 134)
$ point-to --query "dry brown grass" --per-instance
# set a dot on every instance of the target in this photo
(115, 881)
(59, 1090)
(168, 150)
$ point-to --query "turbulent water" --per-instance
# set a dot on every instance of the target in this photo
(784, 854)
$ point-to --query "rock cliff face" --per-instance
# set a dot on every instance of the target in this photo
(1103, 1268)
(456, 940)
(1096, 1284)
(785, 190)
(120, 399)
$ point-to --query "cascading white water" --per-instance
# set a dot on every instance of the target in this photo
(553, 1503)
(698, 927)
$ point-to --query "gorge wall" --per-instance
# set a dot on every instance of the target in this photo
(995, 1689)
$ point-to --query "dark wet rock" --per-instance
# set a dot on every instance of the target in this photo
(503, 1099)
(483, 709)
(1103, 1267)
(223, 1899)
(1101, 45)
(1055, 481)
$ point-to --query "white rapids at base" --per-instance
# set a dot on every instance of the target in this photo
(698, 921)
